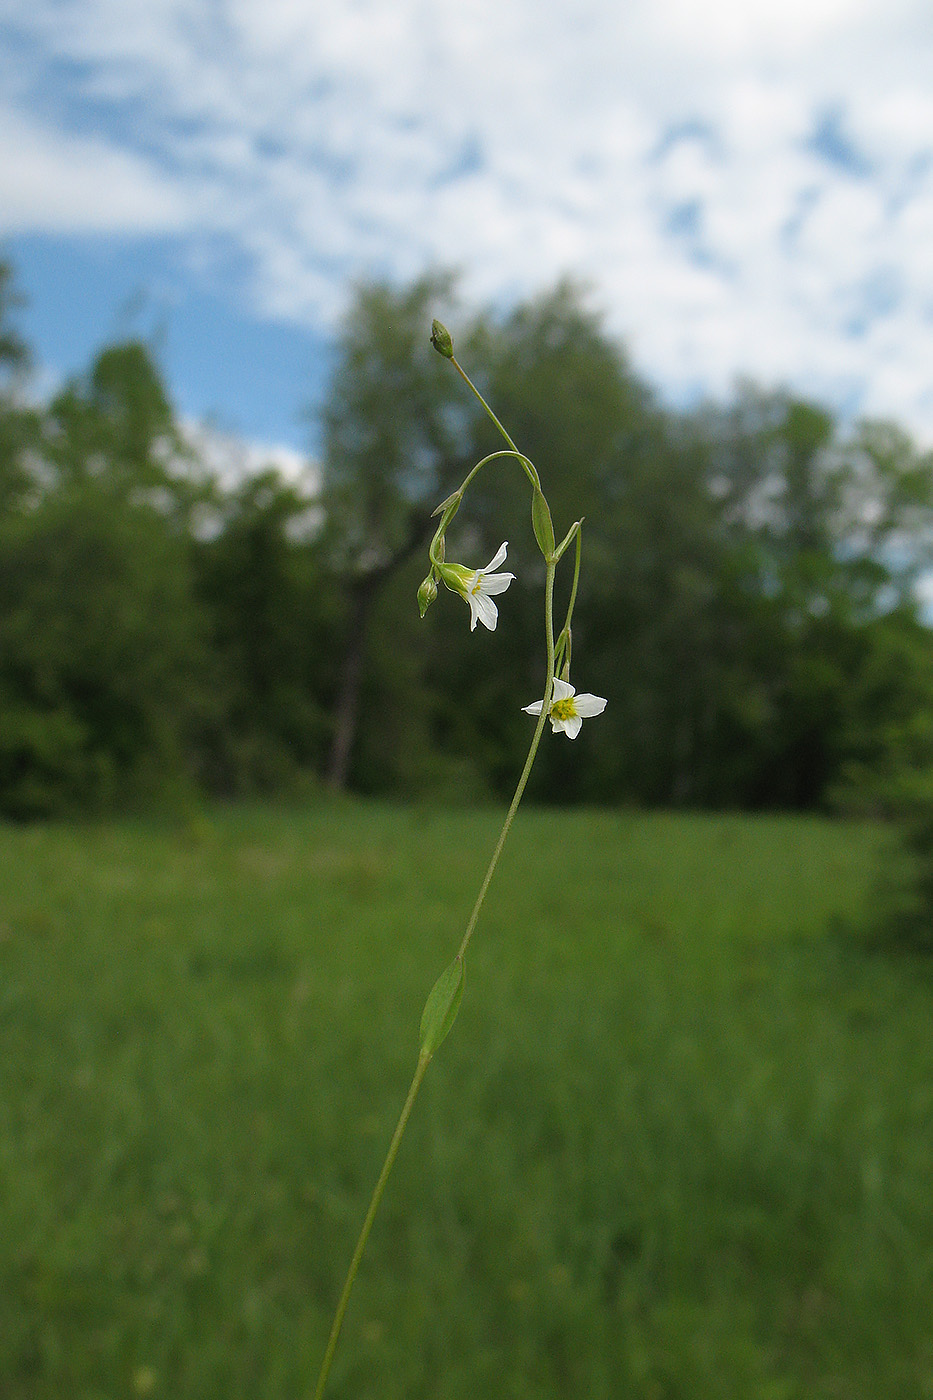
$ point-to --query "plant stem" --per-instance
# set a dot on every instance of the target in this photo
(530, 471)
(526, 771)
(425, 1060)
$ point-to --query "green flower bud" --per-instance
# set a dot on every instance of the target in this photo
(426, 594)
(441, 340)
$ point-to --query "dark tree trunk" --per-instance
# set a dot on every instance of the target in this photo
(363, 593)
(347, 712)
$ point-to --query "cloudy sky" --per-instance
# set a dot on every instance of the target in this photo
(747, 184)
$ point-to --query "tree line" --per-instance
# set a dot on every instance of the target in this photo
(748, 601)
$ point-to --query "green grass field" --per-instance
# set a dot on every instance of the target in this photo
(678, 1146)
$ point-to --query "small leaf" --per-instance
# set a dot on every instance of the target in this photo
(441, 1007)
(541, 520)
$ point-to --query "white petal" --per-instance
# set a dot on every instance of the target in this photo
(572, 726)
(498, 557)
(495, 583)
(562, 690)
(486, 611)
(534, 709)
(589, 705)
(473, 600)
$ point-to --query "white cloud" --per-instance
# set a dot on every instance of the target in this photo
(748, 182)
(57, 182)
(233, 458)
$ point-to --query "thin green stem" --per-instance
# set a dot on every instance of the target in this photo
(425, 1060)
(526, 771)
(532, 473)
(527, 466)
(576, 580)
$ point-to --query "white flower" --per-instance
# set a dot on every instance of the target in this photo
(476, 586)
(568, 710)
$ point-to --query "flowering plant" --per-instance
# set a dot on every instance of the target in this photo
(560, 704)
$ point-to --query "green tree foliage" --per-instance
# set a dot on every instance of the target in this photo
(272, 617)
(18, 424)
(749, 601)
(98, 655)
(99, 639)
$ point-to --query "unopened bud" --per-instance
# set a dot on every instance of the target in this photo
(440, 339)
(426, 594)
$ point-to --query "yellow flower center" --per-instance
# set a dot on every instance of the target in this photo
(563, 709)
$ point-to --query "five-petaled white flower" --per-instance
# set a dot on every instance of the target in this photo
(567, 709)
(476, 586)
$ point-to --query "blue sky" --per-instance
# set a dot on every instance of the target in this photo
(746, 184)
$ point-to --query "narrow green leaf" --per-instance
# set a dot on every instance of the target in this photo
(441, 1007)
(541, 520)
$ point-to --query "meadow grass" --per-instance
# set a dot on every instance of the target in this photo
(678, 1145)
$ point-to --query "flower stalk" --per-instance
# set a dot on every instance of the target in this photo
(559, 703)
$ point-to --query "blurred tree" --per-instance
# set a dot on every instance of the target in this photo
(100, 639)
(816, 530)
(14, 353)
(18, 423)
(273, 611)
(116, 427)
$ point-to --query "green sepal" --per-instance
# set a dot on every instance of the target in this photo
(454, 576)
(441, 1007)
(541, 520)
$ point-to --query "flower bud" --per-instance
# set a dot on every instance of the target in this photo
(441, 340)
(426, 594)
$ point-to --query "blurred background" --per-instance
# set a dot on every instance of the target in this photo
(686, 254)
(685, 251)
